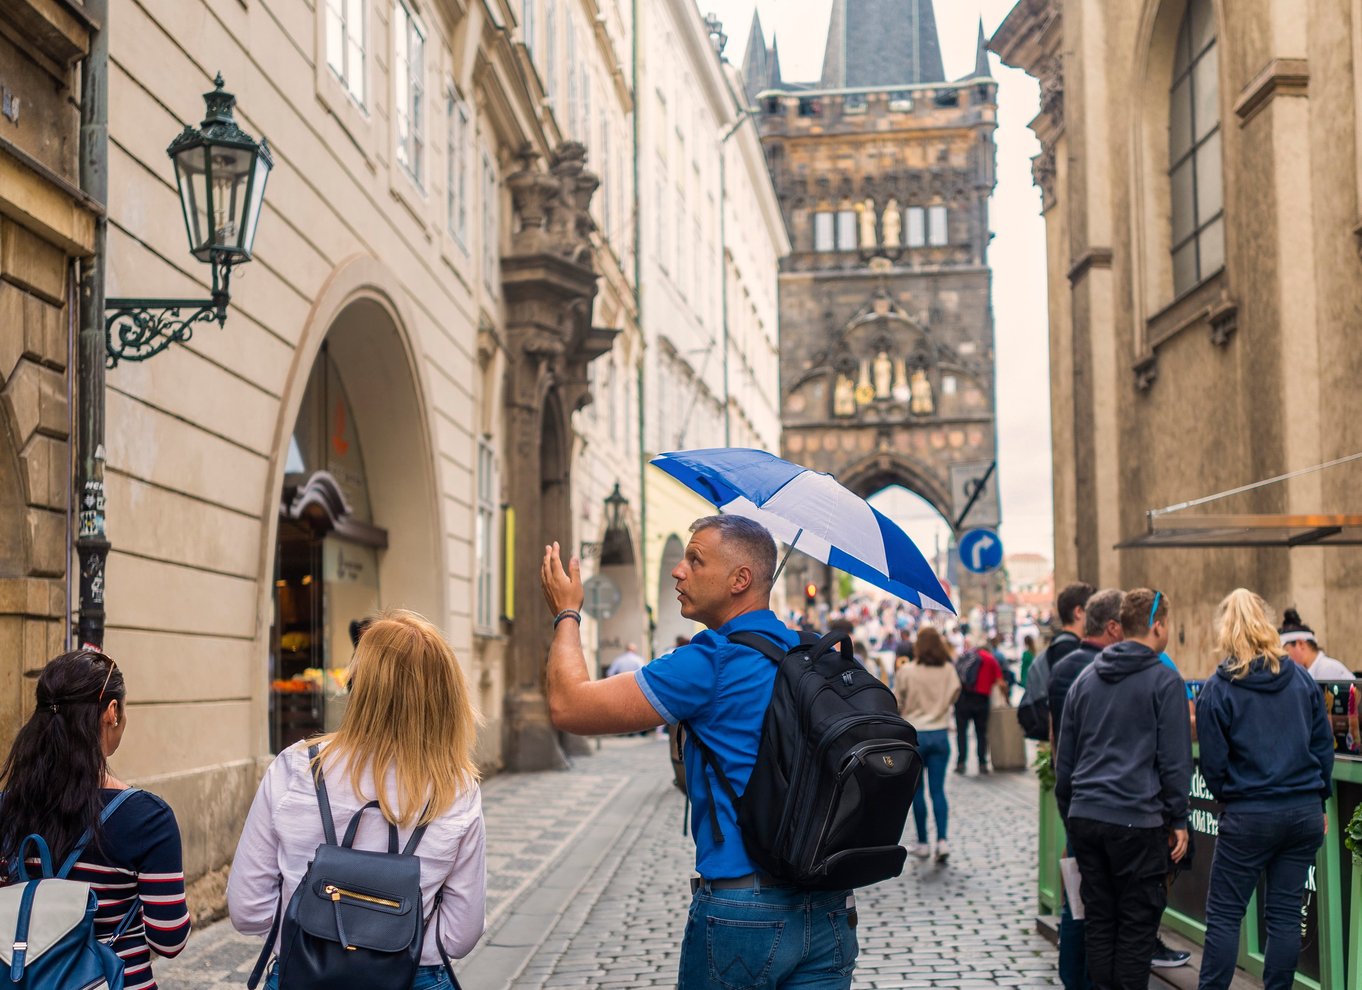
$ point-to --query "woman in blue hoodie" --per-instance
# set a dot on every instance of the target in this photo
(1267, 754)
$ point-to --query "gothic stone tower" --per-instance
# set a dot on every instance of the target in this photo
(884, 171)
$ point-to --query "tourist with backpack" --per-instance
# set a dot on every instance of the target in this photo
(80, 851)
(786, 823)
(1267, 753)
(363, 859)
(1033, 711)
(926, 689)
(979, 673)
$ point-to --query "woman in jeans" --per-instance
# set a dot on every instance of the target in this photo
(926, 689)
(406, 740)
(1267, 754)
(57, 782)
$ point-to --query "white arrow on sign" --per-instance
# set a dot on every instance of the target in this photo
(980, 547)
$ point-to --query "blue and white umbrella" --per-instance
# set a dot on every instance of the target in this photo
(810, 510)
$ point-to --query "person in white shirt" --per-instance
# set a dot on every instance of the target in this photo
(1300, 644)
(626, 663)
(410, 724)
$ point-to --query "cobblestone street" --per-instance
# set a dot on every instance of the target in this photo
(587, 888)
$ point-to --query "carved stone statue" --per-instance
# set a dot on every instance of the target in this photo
(865, 392)
(884, 373)
(844, 397)
(901, 391)
(868, 239)
(893, 224)
(921, 389)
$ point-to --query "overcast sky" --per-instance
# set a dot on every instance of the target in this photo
(1017, 253)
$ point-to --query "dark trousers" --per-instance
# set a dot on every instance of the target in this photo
(1282, 845)
(1123, 898)
(971, 707)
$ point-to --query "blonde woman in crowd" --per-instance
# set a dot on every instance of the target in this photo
(926, 689)
(406, 741)
(1268, 755)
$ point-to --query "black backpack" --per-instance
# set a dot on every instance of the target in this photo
(967, 667)
(355, 919)
(835, 772)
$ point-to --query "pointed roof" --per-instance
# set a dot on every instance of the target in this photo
(755, 66)
(882, 43)
(981, 69)
(774, 78)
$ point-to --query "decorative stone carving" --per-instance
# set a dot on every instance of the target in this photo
(868, 238)
(844, 397)
(1146, 373)
(893, 224)
(1050, 72)
(1224, 321)
(920, 388)
(884, 375)
(1043, 174)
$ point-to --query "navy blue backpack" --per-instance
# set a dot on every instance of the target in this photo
(47, 923)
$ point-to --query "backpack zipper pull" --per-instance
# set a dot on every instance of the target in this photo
(846, 678)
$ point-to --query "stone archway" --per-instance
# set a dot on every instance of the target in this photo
(357, 326)
(670, 623)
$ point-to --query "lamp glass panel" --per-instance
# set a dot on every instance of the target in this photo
(191, 175)
(250, 219)
(229, 174)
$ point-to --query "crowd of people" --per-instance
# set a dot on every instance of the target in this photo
(1119, 718)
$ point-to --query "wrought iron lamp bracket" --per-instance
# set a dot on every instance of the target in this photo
(136, 329)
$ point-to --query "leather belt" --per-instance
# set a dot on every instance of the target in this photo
(752, 881)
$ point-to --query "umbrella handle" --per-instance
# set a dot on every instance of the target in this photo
(789, 550)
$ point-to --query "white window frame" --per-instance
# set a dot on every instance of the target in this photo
(916, 227)
(491, 227)
(409, 55)
(487, 546)
(825, 231)
(456, 166)
(352, 77)
(847, 229)
(938, 226)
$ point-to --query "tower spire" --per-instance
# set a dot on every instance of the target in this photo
(882, 43)
(755, 64)
(981, 69)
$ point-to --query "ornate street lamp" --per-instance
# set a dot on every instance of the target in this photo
(615, 504)
(221, 172)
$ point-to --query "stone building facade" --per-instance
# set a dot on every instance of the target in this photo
(1200, 182)
(46, 225)
(392, 414)
(884, 170)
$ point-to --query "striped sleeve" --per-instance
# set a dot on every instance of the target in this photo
(160, 884)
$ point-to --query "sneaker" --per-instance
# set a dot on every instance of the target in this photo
(922, 850)
(983, 768)
(960, 769)
(943, 850)
(1166, 957)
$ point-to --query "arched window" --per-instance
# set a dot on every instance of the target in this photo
(1195, 174)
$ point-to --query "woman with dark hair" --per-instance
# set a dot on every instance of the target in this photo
(56, 782)
(927, 688)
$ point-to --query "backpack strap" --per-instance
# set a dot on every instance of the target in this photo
(763, 644)
(17, 959)
(323, 802)
(19, 870)
(254, 979)
(707, 759)
(85, 839)
(353, 827)
(444, 956)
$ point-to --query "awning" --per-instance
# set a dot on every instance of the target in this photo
(1170, 527)
(1249, 530)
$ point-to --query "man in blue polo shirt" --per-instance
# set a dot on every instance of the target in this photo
(744, 929)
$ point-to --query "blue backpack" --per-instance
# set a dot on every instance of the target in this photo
(47, 923)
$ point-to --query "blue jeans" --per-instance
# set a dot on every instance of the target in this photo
(935, 746)
(1281, 844)
(767, 939)
(427, 978)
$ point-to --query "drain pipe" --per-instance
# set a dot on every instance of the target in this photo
(92, 547)
(635, 33)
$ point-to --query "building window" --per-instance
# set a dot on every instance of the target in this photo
(1195, 178)
(409, 67)
(551, 49)
(937, 228)
(490, 228)
(486, 537)
(917, 226)
(572, 73)
(527, 24)
(456, 167)
(846, 230)
(345, 44)
(822, 232)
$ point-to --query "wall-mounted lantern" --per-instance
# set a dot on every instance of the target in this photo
(221, 172)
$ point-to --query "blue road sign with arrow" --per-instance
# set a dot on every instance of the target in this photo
(981, 551)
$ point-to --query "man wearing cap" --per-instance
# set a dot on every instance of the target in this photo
(1299, 640)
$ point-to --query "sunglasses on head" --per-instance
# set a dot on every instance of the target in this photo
(1154, 609)
(107, 677)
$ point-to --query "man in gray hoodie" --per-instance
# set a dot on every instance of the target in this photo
(1122, 776)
